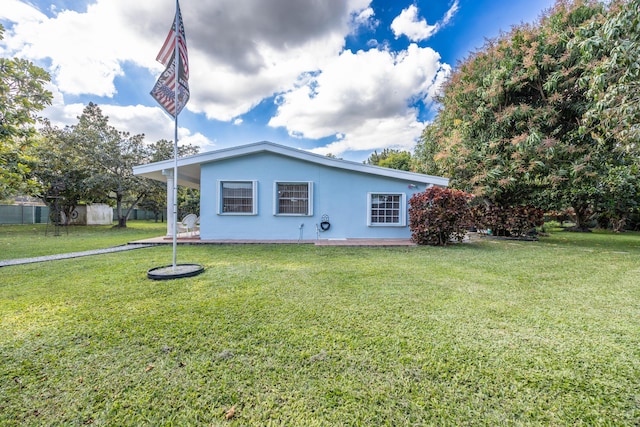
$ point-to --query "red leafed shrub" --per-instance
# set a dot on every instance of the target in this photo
(438, 215)
(510, 221)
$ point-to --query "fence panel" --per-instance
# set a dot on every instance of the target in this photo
(26, 214)
(23, 214)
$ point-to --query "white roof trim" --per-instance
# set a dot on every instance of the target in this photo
(189, 167)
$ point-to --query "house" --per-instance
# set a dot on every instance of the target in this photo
(266, 191)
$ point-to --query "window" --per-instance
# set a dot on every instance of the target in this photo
(387, 209)
(293, 198)
(238, 197)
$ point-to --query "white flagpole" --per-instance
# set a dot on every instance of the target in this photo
(175, 139)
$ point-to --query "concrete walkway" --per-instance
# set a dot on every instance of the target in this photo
(195, 240)
(18, 261)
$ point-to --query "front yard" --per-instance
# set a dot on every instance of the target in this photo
(488, 333)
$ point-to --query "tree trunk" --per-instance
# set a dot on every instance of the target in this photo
(619, 223)
(122, 220)
(582, 216)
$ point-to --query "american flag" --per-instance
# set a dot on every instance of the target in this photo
(165, 88)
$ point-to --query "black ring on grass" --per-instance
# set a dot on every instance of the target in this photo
(167, 272)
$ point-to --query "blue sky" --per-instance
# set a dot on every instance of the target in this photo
(345, 77)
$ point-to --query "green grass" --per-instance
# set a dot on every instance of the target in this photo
(23, 241)
(489, 333)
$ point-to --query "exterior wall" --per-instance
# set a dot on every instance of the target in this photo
(96, 214)
(340, 194)
(99, 214)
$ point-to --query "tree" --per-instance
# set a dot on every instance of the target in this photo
(426, 156)
(22, 95)
(509, 126)
(611, 57)
(391, 158)
(612, 60)
(61, 173)
(623, 184)
(111, 155)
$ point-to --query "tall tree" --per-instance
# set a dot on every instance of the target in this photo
(111, 155)
(61, 172)
(612, 60)
(509, 127)
(22, 95)
(611, 57)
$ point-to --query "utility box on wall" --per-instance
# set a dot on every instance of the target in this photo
(97, 214)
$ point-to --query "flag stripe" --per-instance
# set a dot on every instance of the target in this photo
(164, 56)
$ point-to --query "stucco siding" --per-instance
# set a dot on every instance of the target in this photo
(339, 193)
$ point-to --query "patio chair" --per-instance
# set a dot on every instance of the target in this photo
(189, 224)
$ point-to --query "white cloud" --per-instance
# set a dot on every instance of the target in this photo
(86, 50)
(153, 122)
(365, 96)
(365, 19)
(408, 23)
(18, 11)
(232, 70)
(398, 132)
(450, 13)
(240, 53)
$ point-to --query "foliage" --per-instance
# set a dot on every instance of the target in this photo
(391, 158)
(486, 333)
(612, 59)
(156, 196)
(509, 221)
(426, 156)
(509, 130)
(61, 172)
(22, 95)
(622, 183)
(93, 162)
(438, 216)
(112, 154)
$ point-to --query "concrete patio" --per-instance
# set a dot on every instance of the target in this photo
(186, 239)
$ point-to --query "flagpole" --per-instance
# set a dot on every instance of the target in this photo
(175, 139)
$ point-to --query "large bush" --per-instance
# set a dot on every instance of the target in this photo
(511, 221)
(438, 216)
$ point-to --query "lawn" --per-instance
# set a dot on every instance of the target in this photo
(22, 241)
(489, 333)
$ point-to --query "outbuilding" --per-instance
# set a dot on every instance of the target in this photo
(267, 191)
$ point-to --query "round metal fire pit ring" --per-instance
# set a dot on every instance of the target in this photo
(179, 272)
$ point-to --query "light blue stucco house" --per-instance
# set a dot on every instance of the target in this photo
(266, 191)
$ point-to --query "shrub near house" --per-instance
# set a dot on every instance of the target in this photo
(511, 221)
(438, 216)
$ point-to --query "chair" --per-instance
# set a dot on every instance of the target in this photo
(189, 224)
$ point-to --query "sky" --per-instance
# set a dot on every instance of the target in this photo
(340, 77)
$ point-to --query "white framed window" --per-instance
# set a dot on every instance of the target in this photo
(387, 209)
(238, 197)
(293, 198)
